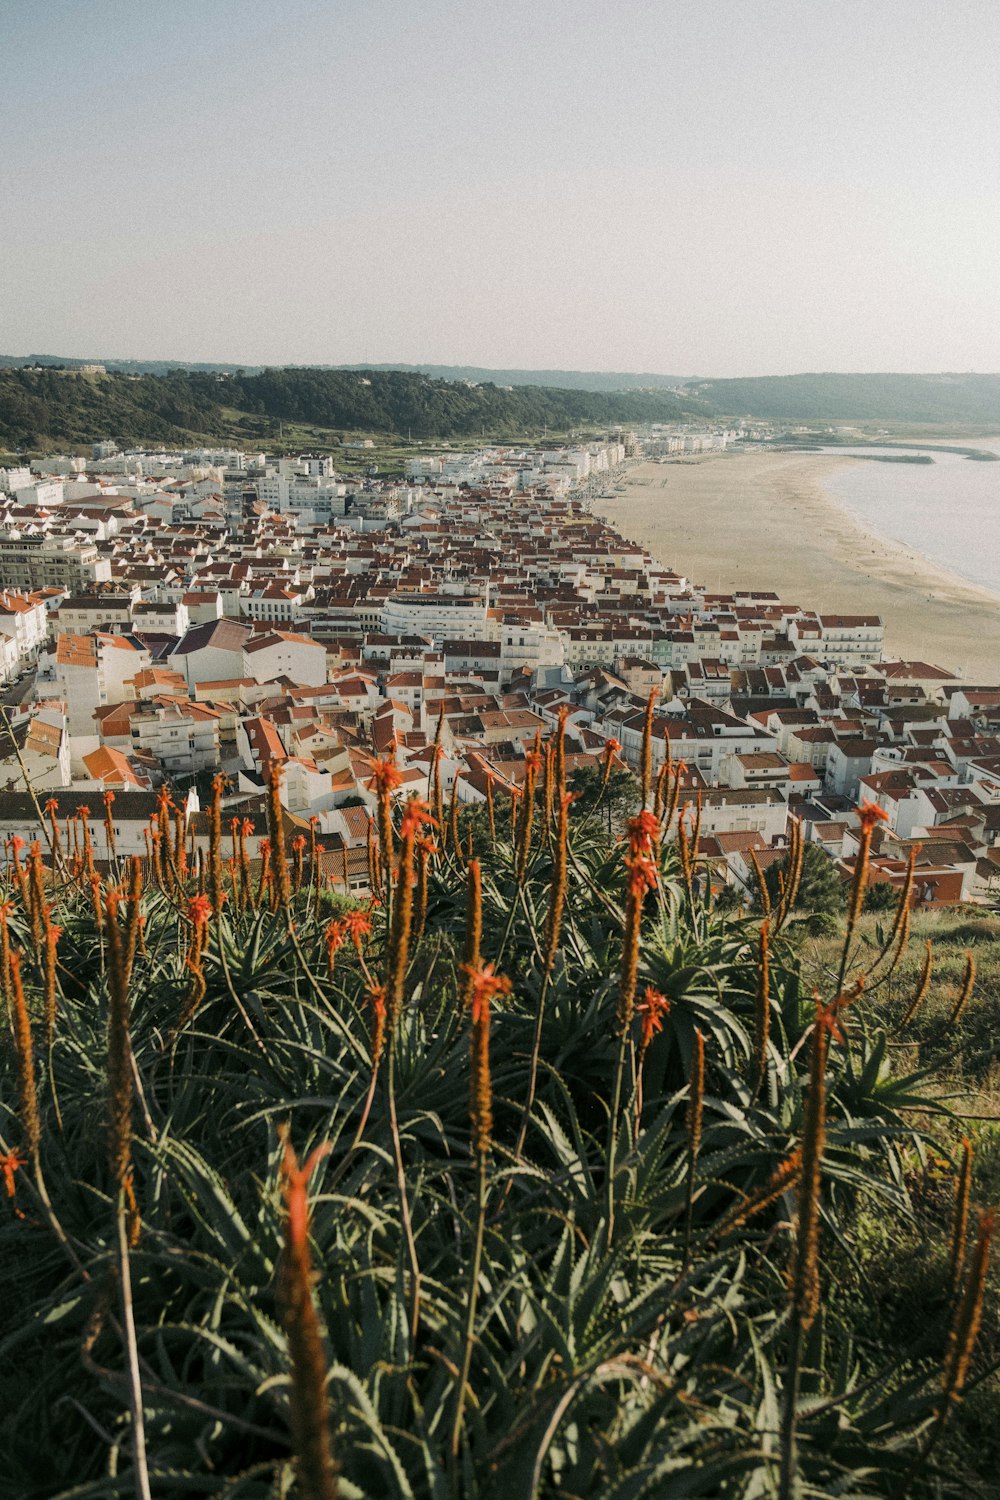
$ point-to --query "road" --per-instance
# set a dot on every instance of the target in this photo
(16, 692)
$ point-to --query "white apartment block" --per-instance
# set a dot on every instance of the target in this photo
(531, 646)
(312, 499)
(12, 480)
(184, 737)
(25, 621)
(34, 562)
(441, 617)
(845, 640)
(91, 671)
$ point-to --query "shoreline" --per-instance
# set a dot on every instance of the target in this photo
(763, 520)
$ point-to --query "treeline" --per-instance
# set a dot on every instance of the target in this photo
(937, 399)
(40, 407)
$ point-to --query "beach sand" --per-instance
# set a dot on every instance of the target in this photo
(763, 520)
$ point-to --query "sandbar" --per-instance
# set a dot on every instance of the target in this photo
(762, 520)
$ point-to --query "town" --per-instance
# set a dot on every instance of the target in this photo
(169, 616)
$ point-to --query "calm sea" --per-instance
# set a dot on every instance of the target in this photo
(948, 510)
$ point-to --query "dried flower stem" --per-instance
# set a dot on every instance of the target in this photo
(784, 1177)
(923, 985)
(966, 990)
(961, 1344)
(960, 1223)
(762, 890)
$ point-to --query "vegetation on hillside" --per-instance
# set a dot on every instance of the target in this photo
(939, 399)
(39, 408)
(151, 401)
(538, 1176)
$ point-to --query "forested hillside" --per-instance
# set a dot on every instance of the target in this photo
(41, 407)
(939, 399)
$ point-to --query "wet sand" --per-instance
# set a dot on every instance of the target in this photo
(763, 520)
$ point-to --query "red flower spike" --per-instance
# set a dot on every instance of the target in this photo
(642, 874)
(357, 925)
(199, 909)
(643, 830)
(10, 1164)
(415, 815)
(294, 1180)
(485, 983)
(869, 815)
(377, 997)
(386, 777)
(653, 1008)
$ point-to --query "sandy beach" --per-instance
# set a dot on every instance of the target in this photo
(763, 520)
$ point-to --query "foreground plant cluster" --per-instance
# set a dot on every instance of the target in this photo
(526, 1179)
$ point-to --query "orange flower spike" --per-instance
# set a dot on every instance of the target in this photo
(294, 1181)
(377, 996)
(11, 1163)
(386, 777)
(416, 815)
(24, 1054)
(336, 933)
(643, 832)
(484, 984)
(308, 1406)
(870, 815)
(642, 874)
(199, 910)
(357, 925)
(52, 936)
(653, 1010)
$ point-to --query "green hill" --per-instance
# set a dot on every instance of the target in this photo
(40, 407)
(568, 380)
(938, 399)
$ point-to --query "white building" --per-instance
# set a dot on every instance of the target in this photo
(91, 671)
(442, 617)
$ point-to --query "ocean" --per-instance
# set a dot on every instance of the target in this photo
(949, 509)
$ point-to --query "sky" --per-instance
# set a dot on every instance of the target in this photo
(746, 187)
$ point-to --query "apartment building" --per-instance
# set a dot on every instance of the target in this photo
(35, 562)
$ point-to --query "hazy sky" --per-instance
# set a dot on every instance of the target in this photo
(734, 187)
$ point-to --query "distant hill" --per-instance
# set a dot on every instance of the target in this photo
(42, 401)
(939, 399)
(123, 366)
(41, 407)
(567, 380)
